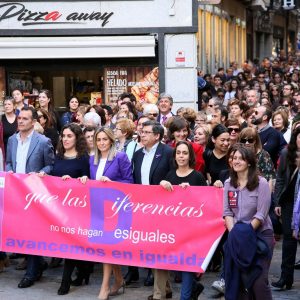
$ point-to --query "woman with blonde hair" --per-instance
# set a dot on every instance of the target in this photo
(109, 165)
(201, 135)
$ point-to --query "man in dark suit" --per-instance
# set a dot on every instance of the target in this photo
(165, 104)
(151, 164)
(29, 152)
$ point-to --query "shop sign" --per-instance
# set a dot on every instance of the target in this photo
(94, 14)
(141, 81)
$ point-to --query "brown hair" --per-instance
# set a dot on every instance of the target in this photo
(250, 132)
(192, 159)
(284, 116)
(249, 157)
(80, 146)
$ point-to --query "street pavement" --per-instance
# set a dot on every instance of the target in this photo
(47, 287)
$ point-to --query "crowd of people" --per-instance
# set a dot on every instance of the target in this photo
(245, 138)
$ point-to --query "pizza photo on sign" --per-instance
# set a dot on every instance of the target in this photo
(147, 89)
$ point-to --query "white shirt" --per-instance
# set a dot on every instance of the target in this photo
(146, 164)
(22, 152)
(100, 168)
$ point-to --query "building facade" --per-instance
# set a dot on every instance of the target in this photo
(99, 49)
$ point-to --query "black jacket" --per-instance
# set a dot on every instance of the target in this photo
(282, 179)
(160, 167)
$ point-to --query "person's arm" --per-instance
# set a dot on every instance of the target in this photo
(263, 204)
(227, 212)
(229, 223)
(8, 164)
(48, 156)
(125, 168)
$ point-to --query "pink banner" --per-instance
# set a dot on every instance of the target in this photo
(110, 222)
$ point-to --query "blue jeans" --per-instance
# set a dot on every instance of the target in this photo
(34, 267)
(188, 279)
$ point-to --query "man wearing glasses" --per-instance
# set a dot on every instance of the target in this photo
(151, 164)
(271, 139)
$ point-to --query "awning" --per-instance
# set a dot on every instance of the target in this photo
(77, 47)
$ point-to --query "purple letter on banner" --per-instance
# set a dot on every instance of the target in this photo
(98, 196)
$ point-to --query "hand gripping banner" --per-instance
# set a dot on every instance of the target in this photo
(110, 222)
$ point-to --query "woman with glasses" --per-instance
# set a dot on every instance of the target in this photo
(151, 111)
(234, 129)
(45, 119)
(123, 132)
(247, 200)
(286, 188)
(109, 165)
(280, 122)
(250, 138)
(275, 96)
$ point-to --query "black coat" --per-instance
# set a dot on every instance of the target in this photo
(161, 164)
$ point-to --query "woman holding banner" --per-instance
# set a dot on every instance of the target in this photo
(109, 165)
(72, 161)
(249, 247)
(184, 175)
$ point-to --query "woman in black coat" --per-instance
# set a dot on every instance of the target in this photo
(286, 182)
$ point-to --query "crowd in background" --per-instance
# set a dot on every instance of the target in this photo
(244, 137)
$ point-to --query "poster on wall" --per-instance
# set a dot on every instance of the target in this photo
(141, 81)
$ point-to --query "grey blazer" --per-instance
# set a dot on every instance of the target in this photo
(40, 156)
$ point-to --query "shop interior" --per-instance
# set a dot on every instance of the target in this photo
(83, 78)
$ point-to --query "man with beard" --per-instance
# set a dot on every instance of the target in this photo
(271, 139)
(252, 98)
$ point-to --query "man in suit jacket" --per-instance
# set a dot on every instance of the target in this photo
(165, 104)
(151, 164)
(29, 152)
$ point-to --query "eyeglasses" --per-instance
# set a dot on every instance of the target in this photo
(230, 130)
(249, 141)
(153, 114)
(143, 132)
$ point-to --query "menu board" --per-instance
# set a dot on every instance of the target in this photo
(141, 81)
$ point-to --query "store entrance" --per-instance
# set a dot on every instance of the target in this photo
(83, 78)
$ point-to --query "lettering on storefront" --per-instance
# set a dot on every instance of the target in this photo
(28, 17)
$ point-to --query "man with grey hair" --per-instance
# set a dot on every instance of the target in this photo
(165, 103)
(91, 119)
(252, 98)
